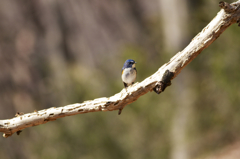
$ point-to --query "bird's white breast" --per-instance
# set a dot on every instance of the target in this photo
(129, 75)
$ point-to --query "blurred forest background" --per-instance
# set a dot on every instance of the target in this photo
(58, 52)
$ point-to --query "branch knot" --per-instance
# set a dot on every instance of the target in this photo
(166, 81)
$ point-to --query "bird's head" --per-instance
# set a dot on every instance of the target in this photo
(129, 64)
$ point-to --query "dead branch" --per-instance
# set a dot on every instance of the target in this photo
(228, 15)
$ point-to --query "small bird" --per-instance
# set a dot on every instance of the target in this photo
(129, 72)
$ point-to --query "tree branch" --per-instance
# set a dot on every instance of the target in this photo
(228, 15)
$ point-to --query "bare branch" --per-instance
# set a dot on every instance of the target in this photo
(228, 15)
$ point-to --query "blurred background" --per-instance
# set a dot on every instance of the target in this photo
(58, 52)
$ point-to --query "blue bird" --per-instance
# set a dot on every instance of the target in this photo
(129, 72)
(129, 75)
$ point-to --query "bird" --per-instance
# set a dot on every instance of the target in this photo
(129, 72)
(129, 75)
